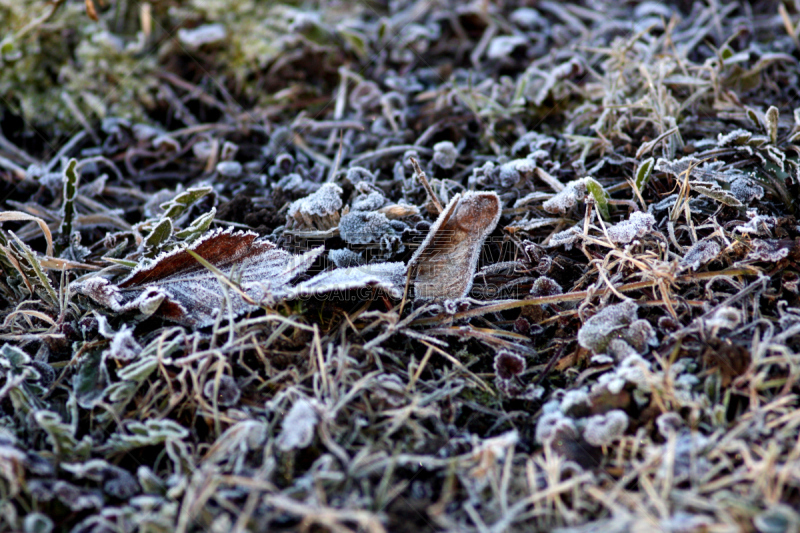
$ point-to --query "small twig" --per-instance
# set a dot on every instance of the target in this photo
(423, 179)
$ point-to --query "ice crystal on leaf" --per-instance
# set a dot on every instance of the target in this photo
(638, 225)
(700, 253)
(388, 277)
(319, 210)
(569, 197)
(601, 430)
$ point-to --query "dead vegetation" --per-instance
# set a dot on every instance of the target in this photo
(404, 266)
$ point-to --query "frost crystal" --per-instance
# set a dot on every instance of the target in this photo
(319, 210)
(746, 190)
(701, 253)
(573, 192)
(227, 394)
(370, 201)
(445, 154)
(601, 430)
(297, 430)
(638, 225)
(345, 258)
(567, 238)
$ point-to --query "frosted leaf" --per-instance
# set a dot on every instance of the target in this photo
(123, 346)
(512, 172)
(574, 401)
(502, 47)
(778, 518)
(700, 253)
(446, 260)
(37, 523)
(663, 205)
(638, 225)
(297, 430)
(620, 348)
(195, 38)
(689, 456)
(724, 318)
(370, 201)
(533, 142)
(508, 364)
(545, 286)
(484, 175)
(601, 430)
(528, 18)
(573, 193)
(669, 422)
(389, 277)
(567, 238)
(633, 369)
(640, 334)
(345, 258)
(554, 425)
(445, 154)
(364, 227)
(227, 394)
(746, 190)
(596, 333)
(701, 171)
(603, 359)
(734, 138)
(229, 169)
(758, 224)
(770, 251)
(365, 96)
(177, 287)
(77, 499)
(117, 481)
(319, 210)
(715, 192)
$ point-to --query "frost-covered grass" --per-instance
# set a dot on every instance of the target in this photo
(399, 266)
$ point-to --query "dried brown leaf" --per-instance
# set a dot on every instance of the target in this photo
(177, 287)
(447, 258)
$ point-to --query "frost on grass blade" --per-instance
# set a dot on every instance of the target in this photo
(447, 258)
(177, 287)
